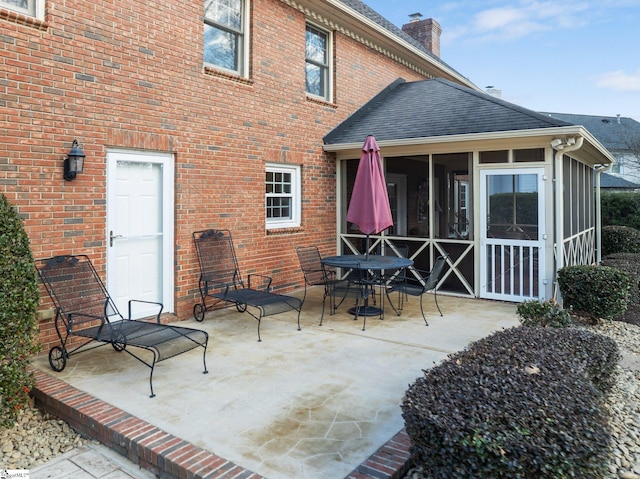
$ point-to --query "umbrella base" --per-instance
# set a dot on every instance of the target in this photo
(366, 311)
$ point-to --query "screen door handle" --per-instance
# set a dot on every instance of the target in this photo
(112, 237)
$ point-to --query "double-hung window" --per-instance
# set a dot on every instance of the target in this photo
(33, 8)
(318, 65)
(282, 198)
(224, 34)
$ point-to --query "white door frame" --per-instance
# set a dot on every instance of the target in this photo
(519, 274)
(166, 161)
(400, 181)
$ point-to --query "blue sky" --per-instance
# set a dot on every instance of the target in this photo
(565, 56)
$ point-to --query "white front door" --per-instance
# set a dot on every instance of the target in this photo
(512, 236)
(140, 230)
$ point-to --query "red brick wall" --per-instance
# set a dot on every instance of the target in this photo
(119, 74)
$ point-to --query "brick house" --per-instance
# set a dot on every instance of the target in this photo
(180, 111)
(218, 117)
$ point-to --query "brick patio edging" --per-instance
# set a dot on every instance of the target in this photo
(168, 456)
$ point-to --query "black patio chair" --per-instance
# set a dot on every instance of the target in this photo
(390, 277)
(316, 273)
(221, 281)
(413, 285)
(85, 309)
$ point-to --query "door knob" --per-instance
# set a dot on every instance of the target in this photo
(112, 237)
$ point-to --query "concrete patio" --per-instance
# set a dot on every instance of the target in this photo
(315, 403)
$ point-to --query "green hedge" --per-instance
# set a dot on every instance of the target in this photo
(621, 209)
(630, 264)
(598, 292)
(620, 239)
(19, 296)
(526, 402)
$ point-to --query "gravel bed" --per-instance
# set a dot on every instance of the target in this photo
(623, 403)
(37, 438)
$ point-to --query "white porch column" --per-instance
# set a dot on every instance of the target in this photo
(560, 147)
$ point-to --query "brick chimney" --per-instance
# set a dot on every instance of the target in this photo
(426, 32)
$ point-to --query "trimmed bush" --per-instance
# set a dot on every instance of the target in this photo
(630, 264)
(521, 403)
(19, 296)
(620, 239)
(543, 313)
(598, 292)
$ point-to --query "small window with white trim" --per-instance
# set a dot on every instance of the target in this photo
(283, 196)
(33, 8)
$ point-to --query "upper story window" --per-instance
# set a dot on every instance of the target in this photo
(283, 196)
(33, 8)
(318, 76)
(224, 34)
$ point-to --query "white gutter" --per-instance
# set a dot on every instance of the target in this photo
(599, 170)
(560, 147)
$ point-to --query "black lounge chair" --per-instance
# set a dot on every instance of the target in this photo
(85, 309)
(221, 281)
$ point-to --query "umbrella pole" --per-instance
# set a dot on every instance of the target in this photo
(367, 248)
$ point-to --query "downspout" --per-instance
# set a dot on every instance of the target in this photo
(560, 146)
(599, 170)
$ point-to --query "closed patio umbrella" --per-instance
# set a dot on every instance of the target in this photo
(369, 207)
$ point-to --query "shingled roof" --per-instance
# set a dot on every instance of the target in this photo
(432, 108)
(616, 182)
(611, 131)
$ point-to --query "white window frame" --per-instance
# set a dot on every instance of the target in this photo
(35, 8)
(328, 94)
(243, 43)
(296, 196)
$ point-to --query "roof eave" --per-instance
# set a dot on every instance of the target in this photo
(592, 151)
(356, 22)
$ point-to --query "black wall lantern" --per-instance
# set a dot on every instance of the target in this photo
(74, 162)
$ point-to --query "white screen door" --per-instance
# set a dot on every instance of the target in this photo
(512, 234)
(140, 230)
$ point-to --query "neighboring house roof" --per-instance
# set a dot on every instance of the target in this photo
(612, 131)
(612, 181)
(620, 135)
(433, 108)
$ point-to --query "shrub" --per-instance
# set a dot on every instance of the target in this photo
(630, 264)
(521, 403)
(19, 297)
(620, 239)
(598, 292)
(621, 209)
(543, 313)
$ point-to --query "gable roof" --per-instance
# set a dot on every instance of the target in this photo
(434, 108)
(611, 131)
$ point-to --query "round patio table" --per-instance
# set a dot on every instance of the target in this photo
(372, 262)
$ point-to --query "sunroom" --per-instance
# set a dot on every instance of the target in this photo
(509, 194)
